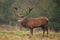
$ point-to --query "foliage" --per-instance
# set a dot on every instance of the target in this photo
(48, 8)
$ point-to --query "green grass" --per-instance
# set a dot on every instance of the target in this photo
(12, 32)
(22, 35)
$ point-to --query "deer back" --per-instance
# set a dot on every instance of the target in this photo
(34, 22)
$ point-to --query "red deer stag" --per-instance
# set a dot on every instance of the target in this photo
(33, 22)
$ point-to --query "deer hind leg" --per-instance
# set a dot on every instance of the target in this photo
(45, 28)
(47, 31)
(43, 31)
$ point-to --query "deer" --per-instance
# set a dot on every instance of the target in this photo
(32, 23)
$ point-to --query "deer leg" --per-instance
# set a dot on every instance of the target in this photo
(31, 31)
(43, 31)
(46, 28)
(47, 31)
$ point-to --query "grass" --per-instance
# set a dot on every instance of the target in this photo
(22, 35)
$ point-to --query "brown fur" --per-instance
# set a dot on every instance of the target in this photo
(36, 22)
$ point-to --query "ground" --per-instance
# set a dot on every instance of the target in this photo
(24, 35)
(9, 33)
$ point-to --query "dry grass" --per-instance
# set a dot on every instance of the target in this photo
(8, 33)
(23, 35)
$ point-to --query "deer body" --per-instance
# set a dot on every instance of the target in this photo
(34, 22)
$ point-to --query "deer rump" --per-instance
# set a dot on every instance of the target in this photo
(35, 22)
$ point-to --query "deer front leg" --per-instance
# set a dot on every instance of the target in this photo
(31, 31)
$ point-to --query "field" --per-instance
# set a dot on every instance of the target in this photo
(24, 35)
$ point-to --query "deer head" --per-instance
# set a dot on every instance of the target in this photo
(22, 17)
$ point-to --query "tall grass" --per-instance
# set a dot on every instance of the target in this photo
(22, 35)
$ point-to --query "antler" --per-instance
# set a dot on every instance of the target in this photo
(30, 9)
(16, 11)
(15, 8)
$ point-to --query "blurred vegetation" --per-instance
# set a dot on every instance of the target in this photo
(48, 8)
